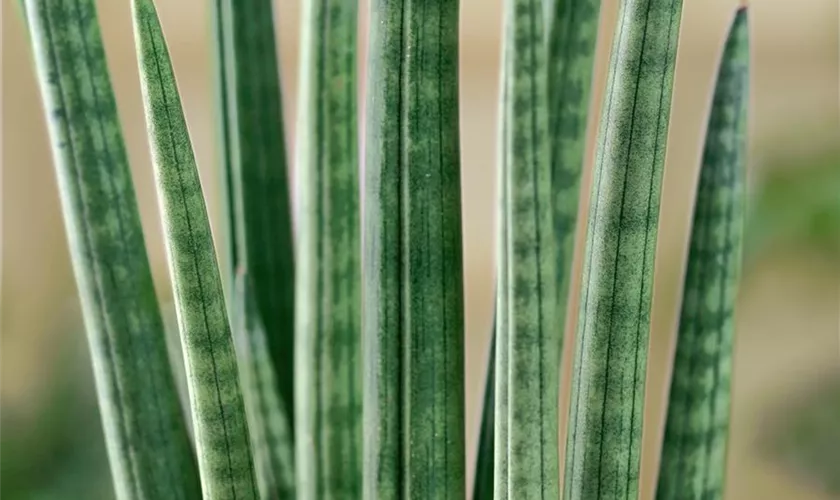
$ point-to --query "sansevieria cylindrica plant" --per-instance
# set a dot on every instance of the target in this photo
(331, 366)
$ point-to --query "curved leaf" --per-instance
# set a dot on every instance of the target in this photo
(148, 445)
(605, 425)
(221, 431)
(694, 450)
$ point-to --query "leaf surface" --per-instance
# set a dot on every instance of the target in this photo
(328, 360)
(148, 445)
(413, 320)
(694, 450)
(218, 413)
(607, 402)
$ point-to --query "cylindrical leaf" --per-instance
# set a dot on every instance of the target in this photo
(529, 338)
(148, 445)
(605, 423)
(413, 277)
(221, 430)
(571, 36)
(694, 451)
(268, 423)
(328, 364)
(253, 156)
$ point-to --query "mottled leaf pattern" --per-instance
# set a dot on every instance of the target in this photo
(605, 422)
(413, 318)
(221, 430)
(148, 445)
(571, 36)
(529, 338)
(328, 365)
(694, 450)
(268, 426)
(253, 152)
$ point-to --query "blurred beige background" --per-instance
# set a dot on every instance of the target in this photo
(788, 320)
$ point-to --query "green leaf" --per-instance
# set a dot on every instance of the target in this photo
(221, 431)
(148, 445)
(694, 450)
(605, 426)
(270, 432)
(253, 153)
(328, 364)
(413, 319)
(529, 338)
(571, 35)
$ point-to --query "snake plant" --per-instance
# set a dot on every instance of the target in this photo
(336, 370)
(694, 450)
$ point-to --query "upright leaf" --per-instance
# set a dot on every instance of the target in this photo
(221, 431)
(148, 445)
(253, 153)
(328, 364)
(268, 423)
(413, 289)
(571, 36)
(694, 451)
(529, 338)
(605, 426)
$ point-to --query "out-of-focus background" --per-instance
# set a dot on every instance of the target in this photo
(786, 397)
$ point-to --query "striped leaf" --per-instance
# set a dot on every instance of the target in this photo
(148, 444)
(268, 426)
(571, 36)
(413, 318)
(328, 367)
(529, 338)
(694, 450)
(221, 431)
(253, 156)
(605, 426)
